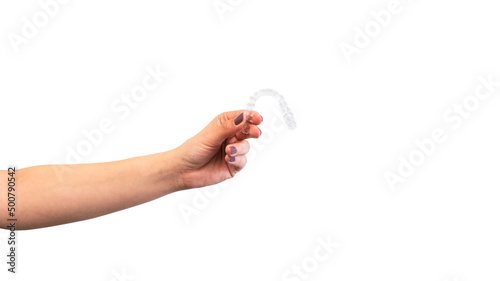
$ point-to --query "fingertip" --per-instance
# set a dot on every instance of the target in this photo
(231, 150)
(257, 118)
(254, 132)
(230, 159)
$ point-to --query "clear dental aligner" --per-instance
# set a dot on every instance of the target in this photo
(287, 114)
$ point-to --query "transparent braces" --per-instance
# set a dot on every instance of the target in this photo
(287, 114)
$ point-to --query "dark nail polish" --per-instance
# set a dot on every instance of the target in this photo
(260, 132)
(238, 119)
(262, 118)
(231, 159)
(233, 150)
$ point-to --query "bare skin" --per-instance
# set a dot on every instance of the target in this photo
(51, 195)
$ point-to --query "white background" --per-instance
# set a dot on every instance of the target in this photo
(324, 179)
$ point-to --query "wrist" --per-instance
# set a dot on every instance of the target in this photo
(173, 170)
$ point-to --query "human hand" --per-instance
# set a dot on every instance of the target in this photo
(217, 152)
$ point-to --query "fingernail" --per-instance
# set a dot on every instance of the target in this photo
(262, 117)
(260, 132)
(231, 159)
(233, 150)
(238, 119)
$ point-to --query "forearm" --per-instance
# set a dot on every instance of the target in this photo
(57, 194)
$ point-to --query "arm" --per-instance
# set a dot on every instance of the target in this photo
(56, 194)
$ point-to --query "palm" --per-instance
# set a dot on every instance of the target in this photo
(206, 162)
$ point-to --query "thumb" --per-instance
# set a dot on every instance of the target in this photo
(226, 125)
